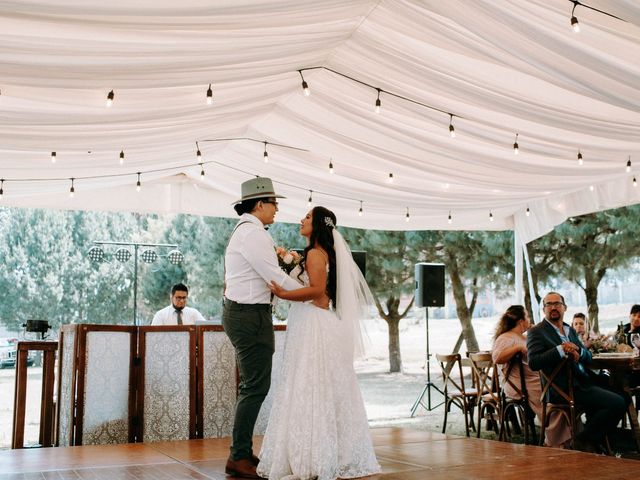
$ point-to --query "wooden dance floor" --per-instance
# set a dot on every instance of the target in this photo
(404, 454)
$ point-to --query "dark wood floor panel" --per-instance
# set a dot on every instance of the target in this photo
(404, 454)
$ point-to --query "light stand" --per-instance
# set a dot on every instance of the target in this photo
(428, 386)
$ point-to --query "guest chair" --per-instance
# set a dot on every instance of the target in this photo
(517, 405)
(488, 402)
(455, 392)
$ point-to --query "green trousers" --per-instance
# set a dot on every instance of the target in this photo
(250, 329)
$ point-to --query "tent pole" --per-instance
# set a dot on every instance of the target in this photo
(517, 248)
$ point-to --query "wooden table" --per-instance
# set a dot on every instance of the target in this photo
(46, 403)
(621, 368)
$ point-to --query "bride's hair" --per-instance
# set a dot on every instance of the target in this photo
(323, 222)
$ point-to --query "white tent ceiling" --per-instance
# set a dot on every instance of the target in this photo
(501, 67)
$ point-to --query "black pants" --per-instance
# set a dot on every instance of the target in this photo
(250, 329)
(604, 409)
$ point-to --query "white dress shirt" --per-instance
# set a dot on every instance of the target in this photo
(251, 264)
(169, 316)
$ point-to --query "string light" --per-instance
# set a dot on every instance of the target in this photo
(330, 167)
(635, 184)
(53, 157)
(452, 130)
(305, 85)
(491, 216)
(72, 190)
(265, 154)
(449, 218)
(407, 217)
(574, 21)
(629, 164)
(201, 171)
(378, 103)
(138, 184)
(310, 198)
(1, 188)
(110, 96)
(390, 179)
(580, 162)
(515, 146)
(209, 95)
(121, 157)
(528, 212)
(360, 211)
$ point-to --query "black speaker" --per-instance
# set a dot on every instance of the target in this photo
(429, 285)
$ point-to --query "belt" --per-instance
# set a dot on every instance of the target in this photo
(247, 306)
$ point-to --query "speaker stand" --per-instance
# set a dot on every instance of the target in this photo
(426, 390)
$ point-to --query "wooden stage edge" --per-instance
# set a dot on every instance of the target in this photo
(403, 453)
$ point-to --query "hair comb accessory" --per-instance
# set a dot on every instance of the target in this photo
(328, 222)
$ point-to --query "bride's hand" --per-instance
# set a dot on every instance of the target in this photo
(276, 289)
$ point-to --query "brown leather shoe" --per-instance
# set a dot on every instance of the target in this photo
(255, 460)
(243, 468)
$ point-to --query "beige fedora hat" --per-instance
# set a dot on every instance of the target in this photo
(259, 187)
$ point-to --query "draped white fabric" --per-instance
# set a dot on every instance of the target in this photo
(500, 66)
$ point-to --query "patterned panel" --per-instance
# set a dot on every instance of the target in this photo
(166, 386)
(106, 404)
(65, 421)
(263, 416)
(219, 382)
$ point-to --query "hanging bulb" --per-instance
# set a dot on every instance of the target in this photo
(330, 167)
(72, 190)
(452, 131)
(449, 219)
(310, 199)
(209, 95)
(378, 103)
(360, 212)
(121, 157)
(407, 217)
(515, 146)
(198, 155)
(54, 156)
(580, 162)
(528, 212)
(491, 216)
(390, 179)
(574, 21)
(629, 164)
(110, 96)
(265, 155)
(138, 184)
(1, 188)
(591, 188)
(635, 184)
(305, 85)
(201, 171)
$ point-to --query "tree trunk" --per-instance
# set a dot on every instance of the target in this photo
(591, 281)
(395, 359)
(464, 314)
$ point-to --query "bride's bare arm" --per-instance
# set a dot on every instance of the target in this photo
(316, 268)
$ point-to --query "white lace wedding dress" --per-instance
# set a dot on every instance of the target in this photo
(318, 425)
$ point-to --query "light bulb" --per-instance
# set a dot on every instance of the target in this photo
(72, 190)
(198, 154)
(390, 179)
(138, 184)
(452, 131)
(53, 157)
(407, 218)
(591, 187)
(629, 165)
(580, 162)
(528, 212)
(265, 155)
(201, 172)
(378, 103)
(331, 167)
(635, 184)
(360, 212)
(110, 96)
(305, 88)
(449, 219)
(121, 157)
(490, 216)
(575, 25)
(209, 95)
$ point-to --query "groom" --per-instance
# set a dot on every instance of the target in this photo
(250, 267)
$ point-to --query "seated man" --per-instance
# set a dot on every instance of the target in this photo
(634, 321)
(177, 313)
(548, 343)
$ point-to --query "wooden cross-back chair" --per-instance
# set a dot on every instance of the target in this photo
(516, 404)
(455, 391)
(487, 383)
(564, 403)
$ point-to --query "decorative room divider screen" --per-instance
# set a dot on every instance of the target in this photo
(119, 384)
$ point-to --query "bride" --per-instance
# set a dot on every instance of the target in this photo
(318, 425)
